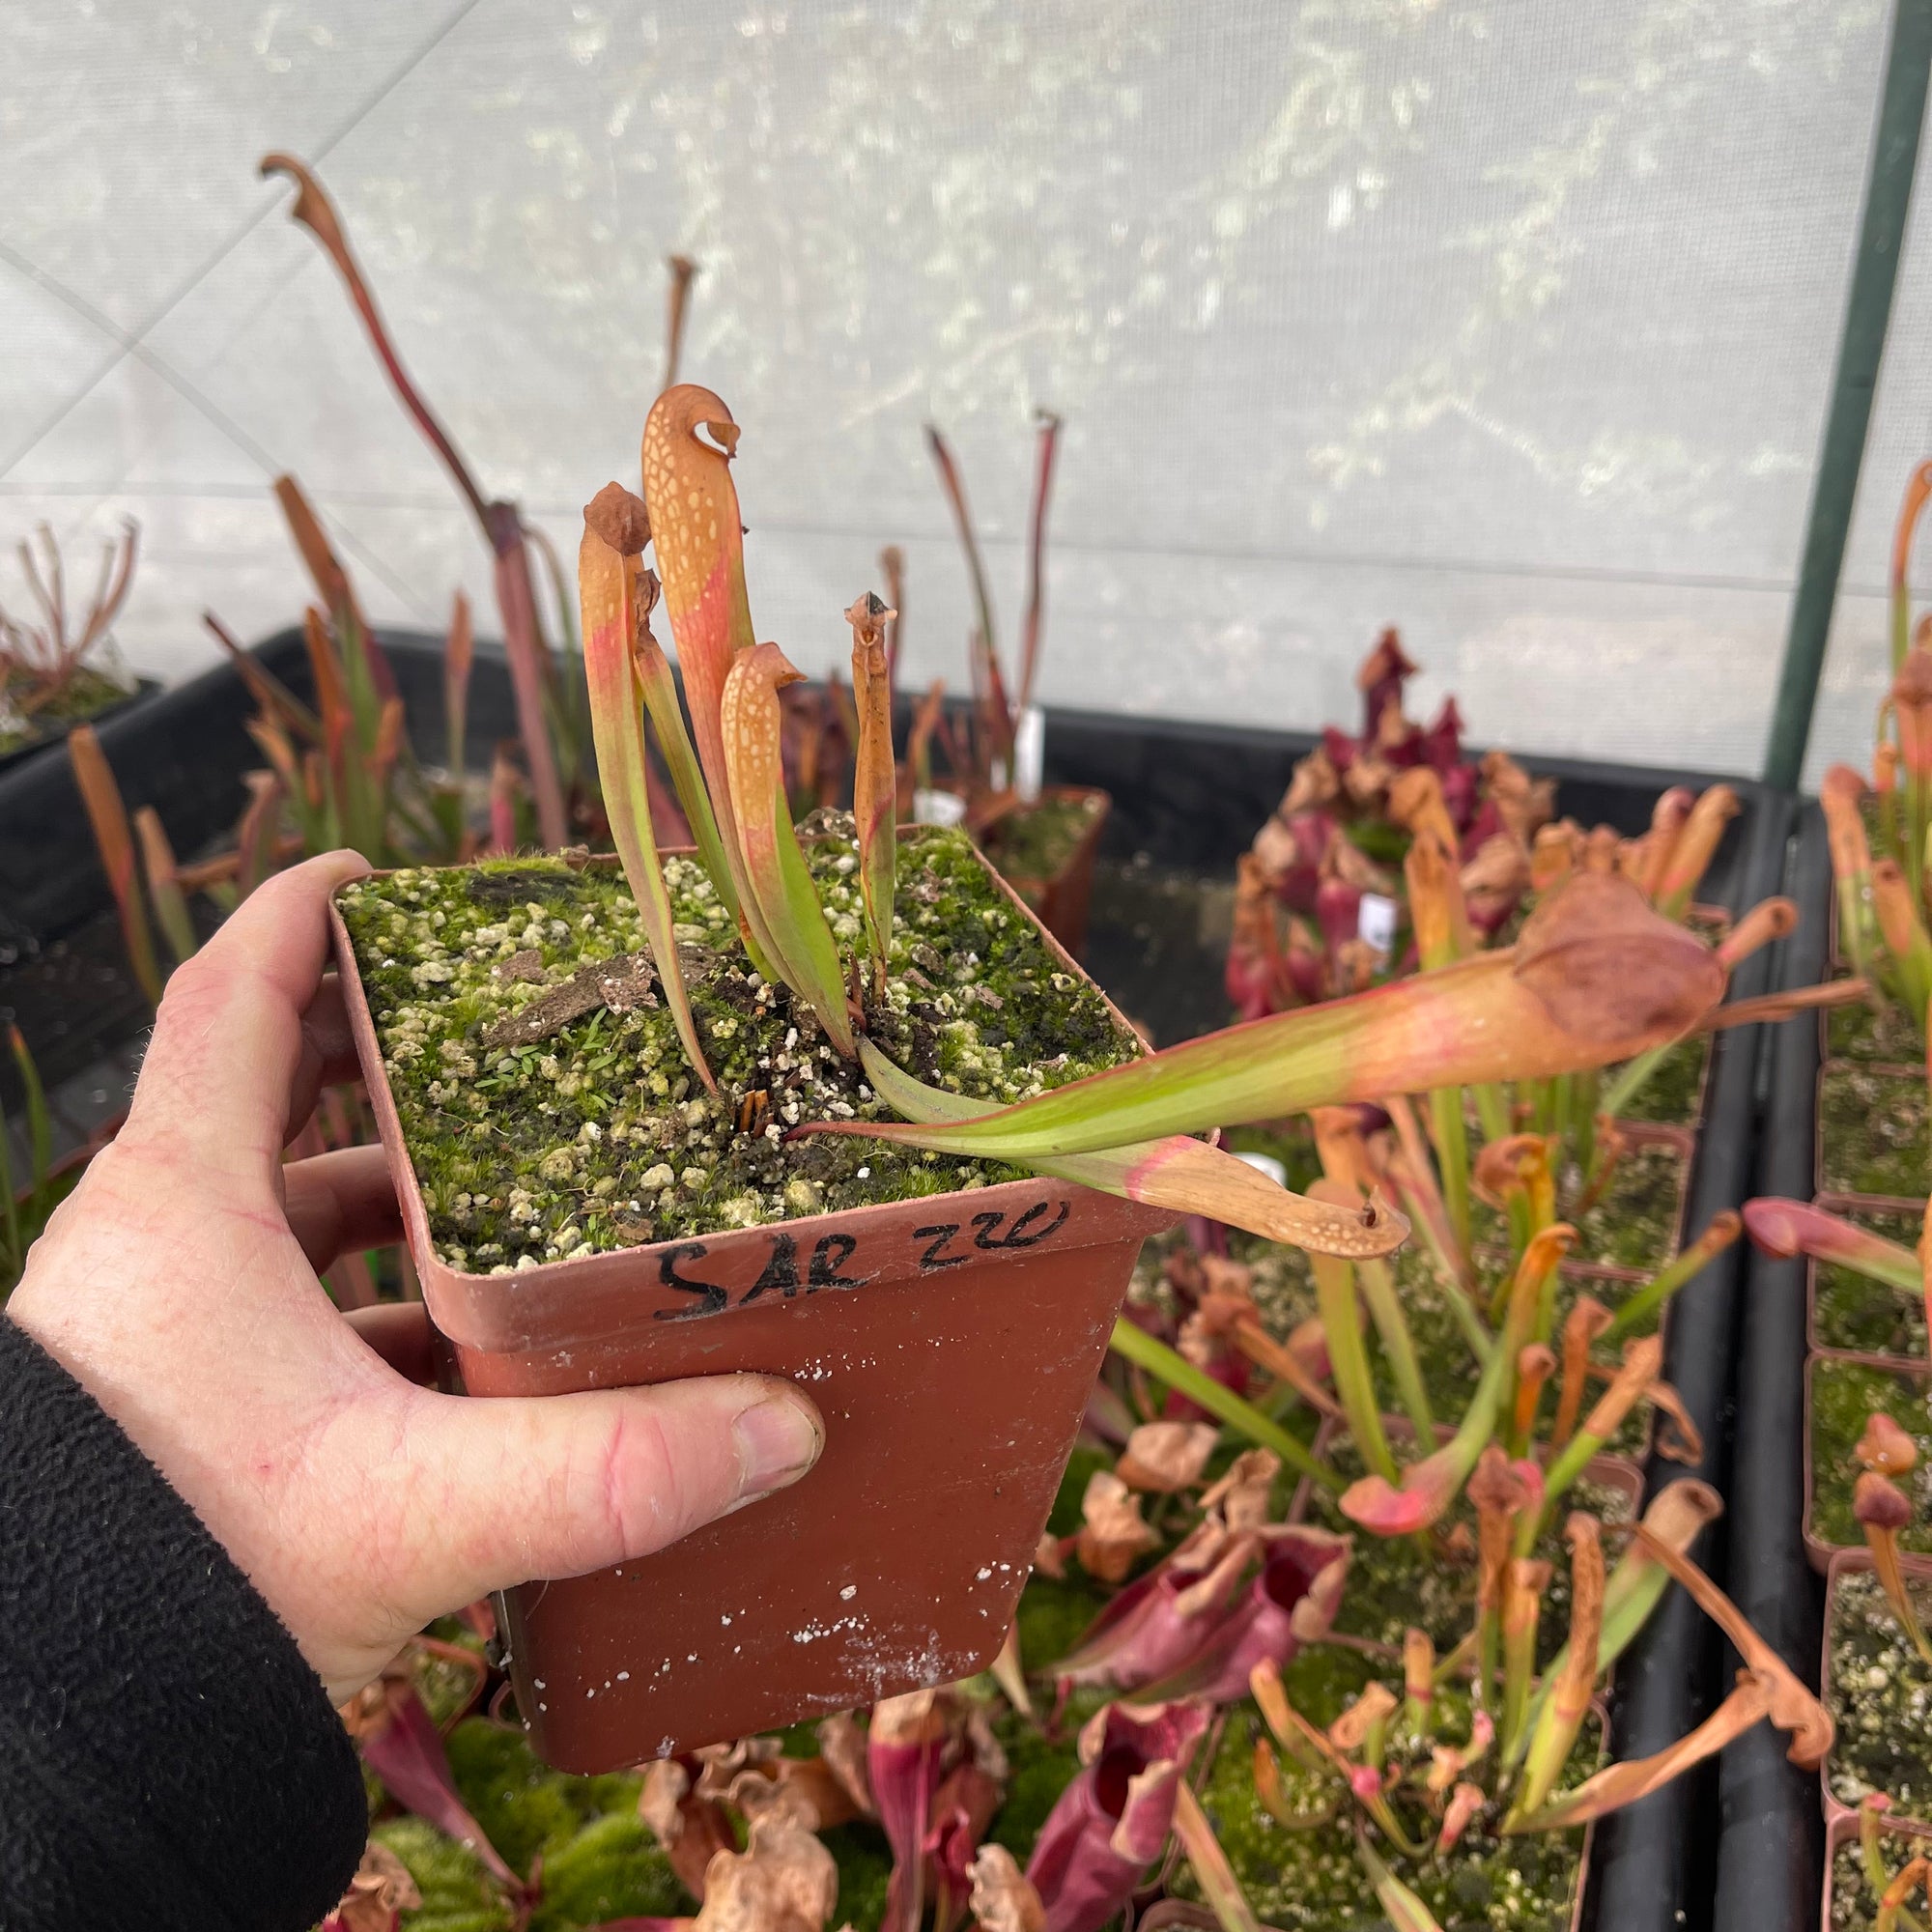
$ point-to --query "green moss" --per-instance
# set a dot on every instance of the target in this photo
(1312, 1880)
(1635, 1224)
(1885, 1035)
(613, 1868)
(1881, 1699)
(524, 1807)
(1670, 1095)
(1040, 1770)
(86, 694)
(599, 1136)
(865, 1861)
(1843, 1396)
(1875, 1132)
(1053, 1615)
(458, 1894)
(1033, 844)
(1865, 1317)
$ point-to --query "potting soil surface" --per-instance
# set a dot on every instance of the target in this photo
(549, 1110)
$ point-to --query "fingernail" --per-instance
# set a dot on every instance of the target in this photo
(779, 1439)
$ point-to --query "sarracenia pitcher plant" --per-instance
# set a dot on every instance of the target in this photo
(1878, 828)
(1597, 975)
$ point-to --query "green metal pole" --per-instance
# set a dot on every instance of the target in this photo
(1901, 111)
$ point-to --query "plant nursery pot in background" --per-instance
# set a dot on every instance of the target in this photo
(1851, 1387)
(1059, 900)
(1847, 1567)
(950, 1342)
(1902, 1838)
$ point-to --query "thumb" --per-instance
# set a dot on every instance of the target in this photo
(509, 1490)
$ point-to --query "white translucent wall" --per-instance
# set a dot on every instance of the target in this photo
(1512, 324)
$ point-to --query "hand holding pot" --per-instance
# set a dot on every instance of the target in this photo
(178, 1285)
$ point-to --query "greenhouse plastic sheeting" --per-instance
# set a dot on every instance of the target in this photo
(1513, 325)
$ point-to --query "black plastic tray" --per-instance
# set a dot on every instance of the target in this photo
(1770, 1851)
(45, 736)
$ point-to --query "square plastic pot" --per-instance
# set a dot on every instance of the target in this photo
(1908, 1838)
(950, 1344)
(1851, 1563)
(1821, 1552)
(1851, 1205)
(1061, 901)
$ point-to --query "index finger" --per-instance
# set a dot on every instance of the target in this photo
(220, 1071)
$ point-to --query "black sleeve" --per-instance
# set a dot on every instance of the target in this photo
(167, 1758)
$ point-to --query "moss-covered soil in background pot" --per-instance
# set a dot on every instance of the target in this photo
(1882, 1034)
(1880, 1699)
(1311, 1878)
(1844, 1395)
(1874, 1133)
(1671, 1096)
(1033, 843)
(86, 694)
(547, 1104)
(1861, 1316)
(1636, 1221)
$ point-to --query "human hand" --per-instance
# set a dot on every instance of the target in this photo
(178, 1284)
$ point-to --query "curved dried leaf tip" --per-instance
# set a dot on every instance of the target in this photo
(875, 778)
(780, 899)
(606, 591)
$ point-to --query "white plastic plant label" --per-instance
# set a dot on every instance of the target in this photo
(937, 808)
(1376, 922)
(1028, 753)
(1265, 1163)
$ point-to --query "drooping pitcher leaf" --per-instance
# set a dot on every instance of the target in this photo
(1595, 977)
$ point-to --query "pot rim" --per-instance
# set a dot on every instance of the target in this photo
(1853, 1562)
(1083, 848)
(1819, 1189)
(1839, 1204)
(447, 1289)
(1821, 1552)
(1843, 1830)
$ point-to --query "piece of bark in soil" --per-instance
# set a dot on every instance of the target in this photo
(623, 984)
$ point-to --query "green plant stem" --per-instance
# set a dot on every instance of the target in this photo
(1627, 1086)
(1165, 1365)
(1355, 1383)
(1392, 1325)
(1451, 1134)
(1493, 1110)
(1656, 1292)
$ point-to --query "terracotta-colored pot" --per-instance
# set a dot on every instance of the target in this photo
(950, 1344)
(1061, 901)
(1843, 1830)
(1816, 1546)
(1846, 1563)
